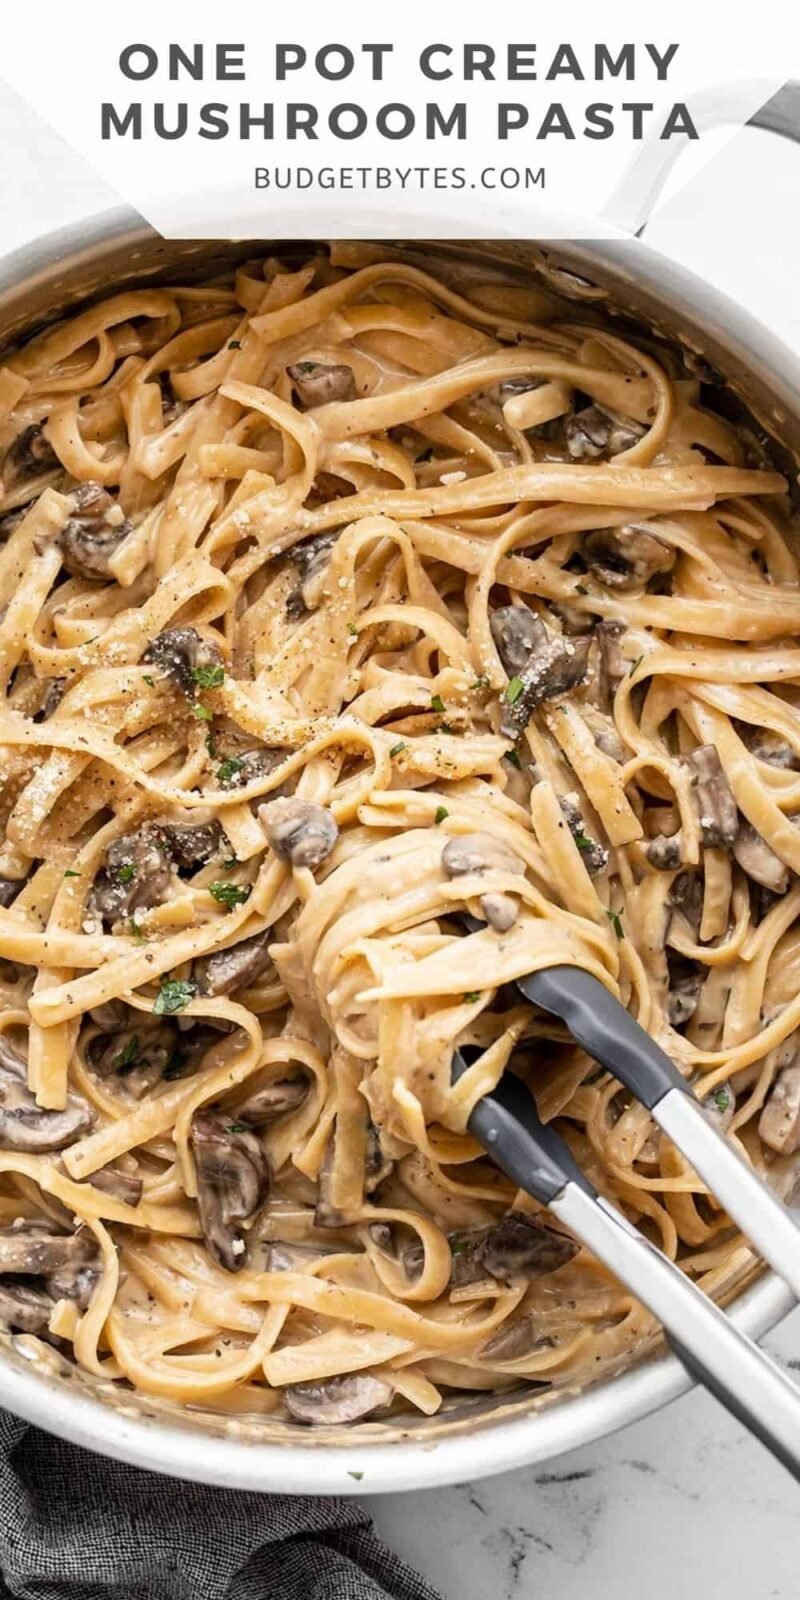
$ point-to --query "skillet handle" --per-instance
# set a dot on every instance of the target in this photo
(632, 202)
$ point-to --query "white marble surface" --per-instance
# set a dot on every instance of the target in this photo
(683, 1504)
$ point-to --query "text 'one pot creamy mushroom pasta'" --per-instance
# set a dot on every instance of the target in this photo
(339, 600)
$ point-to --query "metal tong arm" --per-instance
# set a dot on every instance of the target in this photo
(601, 1024)
(746, 1381)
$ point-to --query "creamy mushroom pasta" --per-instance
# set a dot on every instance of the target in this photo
(340, 600)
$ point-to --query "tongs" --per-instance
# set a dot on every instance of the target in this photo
(507, 1124)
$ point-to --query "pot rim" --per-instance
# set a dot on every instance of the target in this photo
(510, 1442)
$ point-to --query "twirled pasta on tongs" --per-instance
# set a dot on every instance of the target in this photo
(341, 599)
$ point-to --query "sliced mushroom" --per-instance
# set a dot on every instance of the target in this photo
(284, 1255)
(517, 633)
(779, 1123)
(377, 1164)
(75, 1282)
(758, 859)
(171, 406)
(665, 852)
(180, 653)
(113, 1016)
(11, 1062)
(609, 741)
(247, 766)
(770, 747)
(300, 833)
(232, 1184)
(685, 983)
(337, 1400)
(467, 854)
(242, 965)
(593, 854)
(626, 558)
(9, 889)
(519, 1245)
(24, 1307)
(124, 1186)
(29, 455)
(318, 383)
(140, 1056)
(541, 664)
(761, 901)
(470, 853)
(517, 1338)
(311, 557)
(596, 432)
(192, 846)
(137, 874)
(574, 623)
(713, 797)
(500, 910)
(274, 1100)
(522, 1244)
(93, 533)
(686, 895)
(56, 689)
(32, 1249)
(24, 1125)
(400, 1242)
(11, 520)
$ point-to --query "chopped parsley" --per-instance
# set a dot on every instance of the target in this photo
(445, 727)
(135, 931)
(615, 918)
(474, 994)
(229, 769)
(481, 684)
(229, 863)
(128, 1056)
(209, 677)
(70, 874)
(357, 1475)
(174, 995)
(458, 1247)
(637, 663)
(513, 757)
(126, 874)
(514, 689)
(238, 1127)
(440, 814)
(351, 628)
(230, 894)
(437, 703)
(235, 344)
(722, 1098)
(151, 682)
(202, 713)
(397, 748)
(583, 841)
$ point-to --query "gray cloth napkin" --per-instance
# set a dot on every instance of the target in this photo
(74, 1526)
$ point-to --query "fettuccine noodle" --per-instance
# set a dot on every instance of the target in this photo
(340, 600)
